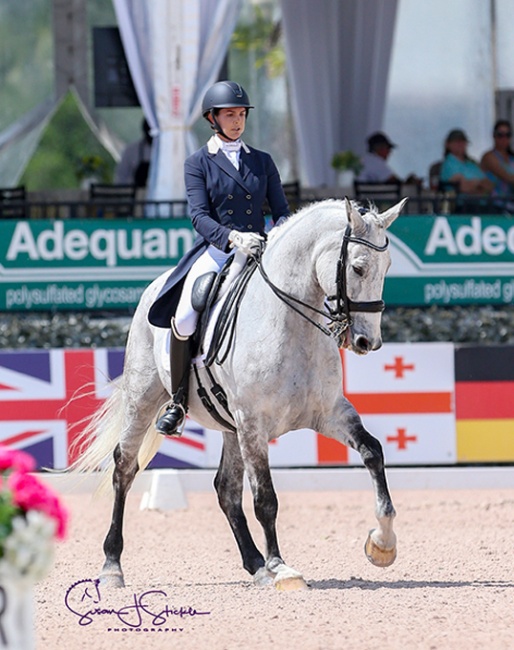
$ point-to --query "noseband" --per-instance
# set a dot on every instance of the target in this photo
(339, 317)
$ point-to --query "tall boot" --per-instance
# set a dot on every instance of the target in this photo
(180, 363)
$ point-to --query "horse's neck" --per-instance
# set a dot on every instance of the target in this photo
(291, 260)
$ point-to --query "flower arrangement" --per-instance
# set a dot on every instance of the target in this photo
(31, 518)
(346, 160)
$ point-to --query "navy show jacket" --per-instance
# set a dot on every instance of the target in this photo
(220, 199)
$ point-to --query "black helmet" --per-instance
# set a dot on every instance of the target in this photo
(225, 94)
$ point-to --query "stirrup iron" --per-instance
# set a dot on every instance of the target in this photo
(178, 430)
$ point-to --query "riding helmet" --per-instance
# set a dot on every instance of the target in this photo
(225, 94)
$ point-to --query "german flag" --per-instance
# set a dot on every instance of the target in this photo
(484, 403)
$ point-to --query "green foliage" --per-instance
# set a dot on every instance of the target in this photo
(262, 36)
(7, 512)
(343, 160)
(67, 153)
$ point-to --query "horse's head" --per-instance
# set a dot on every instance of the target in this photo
(361, 268)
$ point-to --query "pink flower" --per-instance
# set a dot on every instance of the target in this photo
(16, 460)
(29, 493)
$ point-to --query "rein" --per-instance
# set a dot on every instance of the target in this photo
(340, 317)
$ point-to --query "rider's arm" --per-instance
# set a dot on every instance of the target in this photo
(203, 216)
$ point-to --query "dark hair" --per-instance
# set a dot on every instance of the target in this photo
(500, 123)
(497, 125)
(466, 157)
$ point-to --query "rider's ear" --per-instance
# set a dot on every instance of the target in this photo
(387, 217)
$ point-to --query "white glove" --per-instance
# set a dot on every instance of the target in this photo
(248, 243)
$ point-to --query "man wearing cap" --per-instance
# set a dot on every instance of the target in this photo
(374, 163)
(461, 170)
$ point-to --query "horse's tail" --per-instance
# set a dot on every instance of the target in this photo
(95, 446)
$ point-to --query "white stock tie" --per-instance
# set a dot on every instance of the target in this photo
(232, 151)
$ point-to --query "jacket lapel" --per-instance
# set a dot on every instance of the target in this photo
(224, 163)
(244, 168)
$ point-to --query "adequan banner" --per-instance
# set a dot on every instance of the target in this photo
(451, 260)
(85, 264)
(106, 264)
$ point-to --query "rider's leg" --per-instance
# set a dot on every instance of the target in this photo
(182, 327)
(180, 360)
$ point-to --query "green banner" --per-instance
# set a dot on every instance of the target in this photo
(85, 264)
(100, 264)
(450, 260)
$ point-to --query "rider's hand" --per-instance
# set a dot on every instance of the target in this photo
(249, 243)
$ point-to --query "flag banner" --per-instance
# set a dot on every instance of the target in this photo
(484, 403)
(427, 403)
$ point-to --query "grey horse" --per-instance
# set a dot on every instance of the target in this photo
(318, 288)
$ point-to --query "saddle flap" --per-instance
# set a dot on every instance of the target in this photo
(201, 290)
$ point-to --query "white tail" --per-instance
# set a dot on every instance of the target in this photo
(97, 442)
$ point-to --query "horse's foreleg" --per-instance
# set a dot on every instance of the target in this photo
(123, 477)
(229, 487)
(265, 502)
(380, 547)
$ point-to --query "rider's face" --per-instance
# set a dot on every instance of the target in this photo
(232, 122)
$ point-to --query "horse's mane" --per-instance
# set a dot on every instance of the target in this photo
(338, 210)
(303, 213)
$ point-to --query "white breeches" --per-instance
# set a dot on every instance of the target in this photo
(186, 317)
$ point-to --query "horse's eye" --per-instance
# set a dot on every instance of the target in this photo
(358, 270)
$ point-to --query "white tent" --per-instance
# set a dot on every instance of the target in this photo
(413, 68)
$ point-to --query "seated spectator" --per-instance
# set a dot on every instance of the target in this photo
(459, 169)
(374, 163)
(135, 160)
(498, 163)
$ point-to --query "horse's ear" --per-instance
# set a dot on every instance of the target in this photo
(387, 217)
(354, 216)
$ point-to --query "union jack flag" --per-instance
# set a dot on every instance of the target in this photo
(46, 396)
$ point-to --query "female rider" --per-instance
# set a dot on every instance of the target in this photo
(227, 184)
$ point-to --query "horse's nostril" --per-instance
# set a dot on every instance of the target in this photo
(363, 343)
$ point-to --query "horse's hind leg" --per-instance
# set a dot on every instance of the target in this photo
(123, 477)
(229, 487)
(140, 404)
(380, 547)
(255, 454)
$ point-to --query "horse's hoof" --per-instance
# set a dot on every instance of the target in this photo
(379, 556)
(288, 579)
(290, 584)
(112, 580)
(262, 577)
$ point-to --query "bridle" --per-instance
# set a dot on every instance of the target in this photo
(339, 317)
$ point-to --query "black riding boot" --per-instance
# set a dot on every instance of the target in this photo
(180, 362)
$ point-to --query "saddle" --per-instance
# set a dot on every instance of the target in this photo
(205, 293)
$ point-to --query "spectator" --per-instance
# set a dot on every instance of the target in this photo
(374, 163)
(498, 163)
(135, 161)
(459, 169)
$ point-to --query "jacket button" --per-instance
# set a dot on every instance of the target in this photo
(230, 211)
(248, 196)
(230, 196)
(249, 226)
(248, 212)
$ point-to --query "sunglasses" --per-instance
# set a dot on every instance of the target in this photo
(503, 134)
